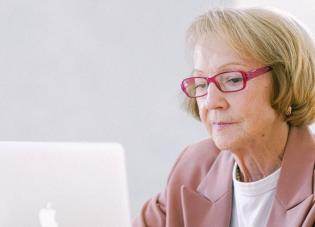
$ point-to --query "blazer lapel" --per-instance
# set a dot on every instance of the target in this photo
(211, 203)
(294, 194)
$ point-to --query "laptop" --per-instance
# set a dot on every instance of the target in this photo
(56, 184)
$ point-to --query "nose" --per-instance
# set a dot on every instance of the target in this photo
(215, 99)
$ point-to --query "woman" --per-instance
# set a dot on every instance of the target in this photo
(252, 87)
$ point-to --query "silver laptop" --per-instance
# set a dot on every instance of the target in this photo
(44, 184)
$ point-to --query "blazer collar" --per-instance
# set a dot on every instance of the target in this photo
(294, 193)
(296, 178)
(218, 181)
(211, 203)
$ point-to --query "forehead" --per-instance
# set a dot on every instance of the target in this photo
(213, 43)
(210, 53)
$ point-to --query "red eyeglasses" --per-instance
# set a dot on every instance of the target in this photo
(229, 81)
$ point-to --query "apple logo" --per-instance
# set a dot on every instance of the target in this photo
(47, 217)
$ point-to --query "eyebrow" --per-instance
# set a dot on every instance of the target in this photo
(220, 67)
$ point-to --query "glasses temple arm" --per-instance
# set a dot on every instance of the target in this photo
(257, 72)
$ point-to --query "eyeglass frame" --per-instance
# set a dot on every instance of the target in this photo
(211, 79)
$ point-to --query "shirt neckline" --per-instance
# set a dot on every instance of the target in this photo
(256, 188)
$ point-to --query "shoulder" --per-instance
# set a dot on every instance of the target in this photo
(194, 163)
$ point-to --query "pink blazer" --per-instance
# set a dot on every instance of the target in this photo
(199, 188)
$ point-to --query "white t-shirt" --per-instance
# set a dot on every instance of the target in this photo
(252, 200)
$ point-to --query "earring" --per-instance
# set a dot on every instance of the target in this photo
(289, 111)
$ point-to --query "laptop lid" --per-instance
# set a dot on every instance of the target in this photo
(46, 184)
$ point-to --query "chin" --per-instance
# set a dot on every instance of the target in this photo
(221, 143)
(225, 142)
(222, 146)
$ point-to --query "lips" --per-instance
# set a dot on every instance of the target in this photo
(222, 125)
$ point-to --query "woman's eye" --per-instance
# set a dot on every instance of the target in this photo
(200, 86)
(235, 80)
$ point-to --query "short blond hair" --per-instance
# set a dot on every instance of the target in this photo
(275, 39)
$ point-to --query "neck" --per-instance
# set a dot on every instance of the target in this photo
(263, 156)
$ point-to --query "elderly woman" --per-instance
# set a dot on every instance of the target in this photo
(252, 87)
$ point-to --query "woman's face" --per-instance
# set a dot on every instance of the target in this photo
(238, 118)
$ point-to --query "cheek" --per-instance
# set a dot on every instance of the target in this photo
(256, 114)
(202, 110)
(203, 113)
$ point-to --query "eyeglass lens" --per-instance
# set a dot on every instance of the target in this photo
(226, 82)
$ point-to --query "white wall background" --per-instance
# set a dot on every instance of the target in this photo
(303, 10)
(102, 70)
